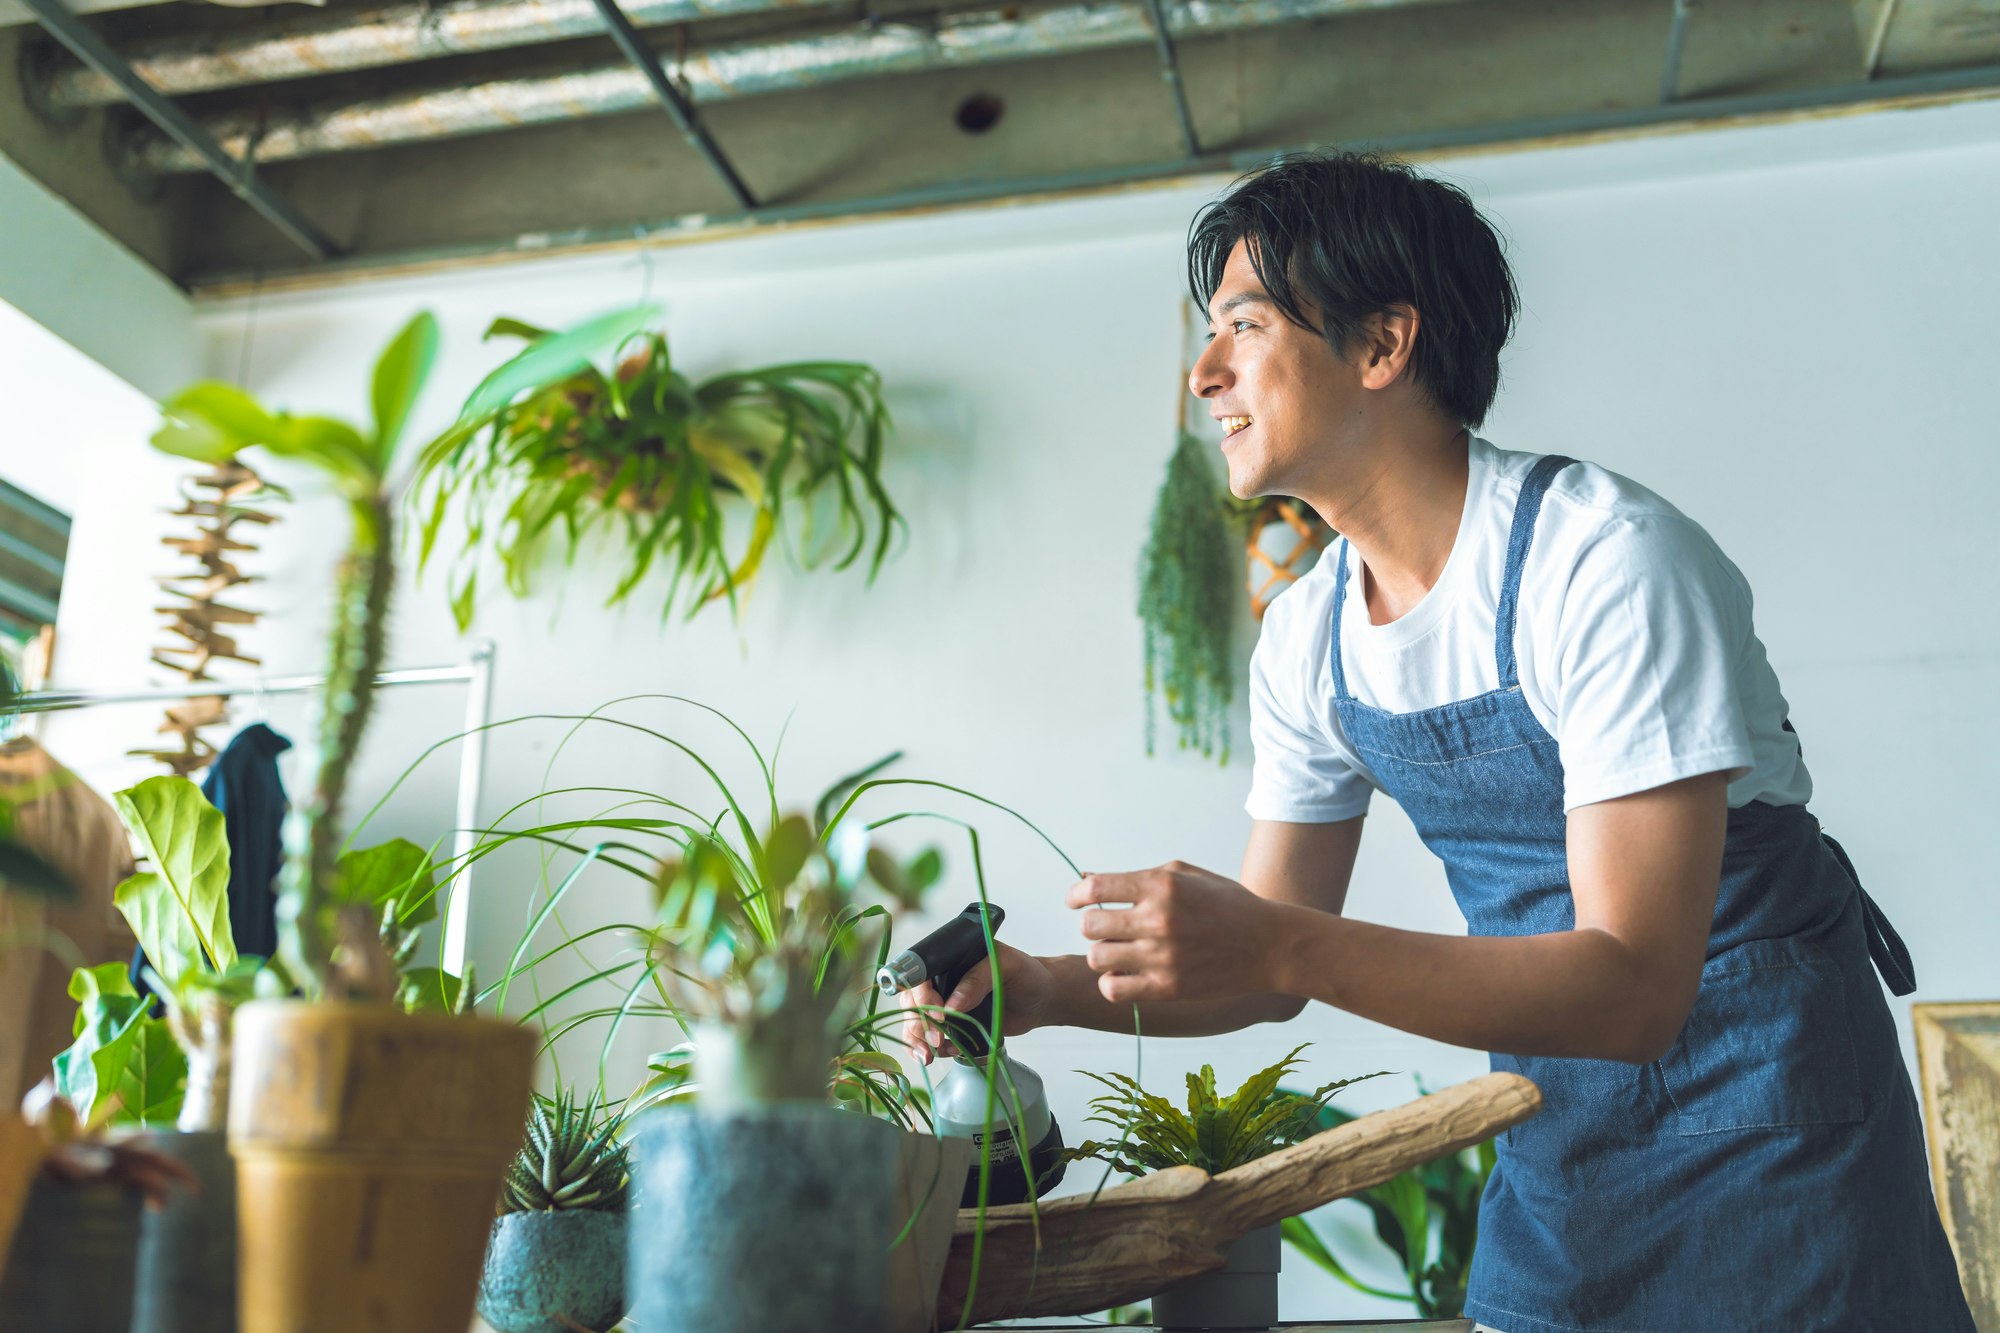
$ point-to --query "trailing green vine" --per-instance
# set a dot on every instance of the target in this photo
(1190, 582)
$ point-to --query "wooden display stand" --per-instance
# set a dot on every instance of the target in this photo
(1082, 1254)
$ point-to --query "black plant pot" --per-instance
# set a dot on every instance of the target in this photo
(187, 1249)
(761, 1219)
(1242, 1294)
(554, 1272)
(73, 1260)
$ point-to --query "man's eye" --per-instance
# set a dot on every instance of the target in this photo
(1238, 323)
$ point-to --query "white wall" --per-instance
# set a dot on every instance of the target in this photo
(1786, 330)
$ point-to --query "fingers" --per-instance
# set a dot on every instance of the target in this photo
(1130, 923)
(918, 1033)
(1120, 955)
(1094, 889)
(973, 987)
(1119, 988)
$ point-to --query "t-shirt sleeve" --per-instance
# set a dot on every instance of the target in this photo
(1653, 620)
(1297, 775)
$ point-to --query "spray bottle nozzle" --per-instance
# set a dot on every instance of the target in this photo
(942, 958)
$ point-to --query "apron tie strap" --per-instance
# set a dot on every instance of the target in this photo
(1885, 946)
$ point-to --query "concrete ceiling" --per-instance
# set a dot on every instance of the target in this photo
(411, 153)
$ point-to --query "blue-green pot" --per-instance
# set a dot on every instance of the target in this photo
(187, 1249)
(545, 1268)
(757, 1219)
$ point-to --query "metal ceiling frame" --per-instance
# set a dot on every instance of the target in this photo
(240, 176)
(1670, 73)
(677, 104)
(1170, 73)
(1976, 83)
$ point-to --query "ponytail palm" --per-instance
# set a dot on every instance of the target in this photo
(213, 422)
(662, 462)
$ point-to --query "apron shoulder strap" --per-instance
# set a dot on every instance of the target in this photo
(1527, 509)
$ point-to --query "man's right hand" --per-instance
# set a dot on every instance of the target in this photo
(1030, 989)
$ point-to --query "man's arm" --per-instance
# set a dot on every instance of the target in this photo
(1305, 866)
(1644, 871)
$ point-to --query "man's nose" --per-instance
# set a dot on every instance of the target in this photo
(1209, 376)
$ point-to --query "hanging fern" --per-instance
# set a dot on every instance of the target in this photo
(1189, 598)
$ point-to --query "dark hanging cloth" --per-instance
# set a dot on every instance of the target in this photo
(243, 783)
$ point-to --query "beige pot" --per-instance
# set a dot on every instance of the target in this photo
(369, 1147)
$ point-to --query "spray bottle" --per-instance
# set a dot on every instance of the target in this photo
(1019, 1108)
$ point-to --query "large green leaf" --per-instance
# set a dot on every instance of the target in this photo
(397, 871)
(154, 1081)
(108, 1017)
(553, 357)
(400, 373)
(211, 422)
(180, 909)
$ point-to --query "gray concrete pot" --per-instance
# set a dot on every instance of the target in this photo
(554, 1272)
(187, 1250)
(761, 1218)
(73, 1260)
(1243, 1293)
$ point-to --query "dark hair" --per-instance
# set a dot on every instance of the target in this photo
(1353, 234)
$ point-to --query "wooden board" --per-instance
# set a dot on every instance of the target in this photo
(1958, 1058)
(1083, 1253)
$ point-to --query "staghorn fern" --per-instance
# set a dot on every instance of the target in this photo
(1216, 1132)
(573, 1159)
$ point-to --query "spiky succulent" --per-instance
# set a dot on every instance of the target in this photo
(573, 1159)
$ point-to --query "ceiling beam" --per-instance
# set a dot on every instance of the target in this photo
(240, 176)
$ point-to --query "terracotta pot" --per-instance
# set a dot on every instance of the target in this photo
(369, 1147)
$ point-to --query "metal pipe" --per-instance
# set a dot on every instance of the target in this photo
(301, 46)
(1879, 40)
(1913, 90)
(465, 836)
(187, 137)
(860, 51)
(678, 107)
(1670, 73)
(1170, 71)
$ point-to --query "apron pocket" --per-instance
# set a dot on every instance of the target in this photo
(1767, 1046)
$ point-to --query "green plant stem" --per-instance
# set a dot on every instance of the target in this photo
(366, 578)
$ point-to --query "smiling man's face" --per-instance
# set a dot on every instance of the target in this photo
(1278, 390)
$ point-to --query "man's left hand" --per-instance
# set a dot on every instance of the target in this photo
(1188, 934)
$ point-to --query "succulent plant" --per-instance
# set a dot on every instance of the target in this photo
(573, 1159)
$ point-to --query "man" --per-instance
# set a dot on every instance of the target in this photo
(1554, 673)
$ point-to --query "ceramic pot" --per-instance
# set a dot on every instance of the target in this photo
(554, 1272)
(369, 1147)
(1243, 1293)
(73, 1259)
(187, 1249)
(761, 1218)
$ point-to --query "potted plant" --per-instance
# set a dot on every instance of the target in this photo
(660, 461)
(1191, 574)
(1215, 1133)
(556, 1259)
(369, 1141)
(1428, 1218)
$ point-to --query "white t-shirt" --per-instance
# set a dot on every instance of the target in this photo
(1634, 645)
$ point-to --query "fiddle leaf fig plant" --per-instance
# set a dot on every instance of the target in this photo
(212, 423)
(662, 461)
(1216, 1132)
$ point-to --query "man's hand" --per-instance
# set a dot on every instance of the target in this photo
(1187, 935)
(1027, 990)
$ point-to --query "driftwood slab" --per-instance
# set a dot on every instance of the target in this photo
(1958, 1054)
(1085, 1255)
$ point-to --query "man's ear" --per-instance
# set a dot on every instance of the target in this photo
(1388, 339)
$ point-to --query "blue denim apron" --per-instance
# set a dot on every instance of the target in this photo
(1768, 1173)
